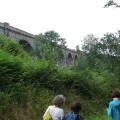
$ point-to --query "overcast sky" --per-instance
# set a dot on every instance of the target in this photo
(72, 19)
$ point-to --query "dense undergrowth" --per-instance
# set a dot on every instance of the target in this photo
(27, 86)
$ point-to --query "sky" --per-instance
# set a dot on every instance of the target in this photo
(72, 19)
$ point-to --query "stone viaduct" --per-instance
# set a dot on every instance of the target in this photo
(27, 40)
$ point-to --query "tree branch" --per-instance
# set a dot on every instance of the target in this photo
(111, 3)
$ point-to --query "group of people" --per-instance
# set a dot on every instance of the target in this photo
(56, 111)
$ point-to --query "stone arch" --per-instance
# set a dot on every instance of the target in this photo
(26, 46)
(70, 58)
(75, 58)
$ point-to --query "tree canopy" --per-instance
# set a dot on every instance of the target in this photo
(112, 3)
(49, 46)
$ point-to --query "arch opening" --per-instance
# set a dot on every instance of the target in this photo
(70, 59)
(26, 46)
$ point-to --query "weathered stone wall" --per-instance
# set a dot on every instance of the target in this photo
(17, 34)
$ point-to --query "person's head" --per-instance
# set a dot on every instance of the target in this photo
(75, 107)
(116, 94)
(58, 100)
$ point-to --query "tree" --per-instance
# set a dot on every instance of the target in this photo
(89, 43)
(39, 45)
(54, 38)
(111, 3)
(88, 53)
(49, 46)
(109, 44)
(105, 49)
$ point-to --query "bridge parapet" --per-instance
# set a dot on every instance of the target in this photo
(17, 34)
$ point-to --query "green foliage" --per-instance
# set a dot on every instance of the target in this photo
(89, 43)
(111, 3)
(81, 62)
(12, 47)
(48, 46)
(4, 98)
(10, 70)
(108, 44)
(27, 87)
(100, 116)
(101, 59)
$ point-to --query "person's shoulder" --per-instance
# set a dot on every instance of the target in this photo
(72, 114)
(50, 106)
(111, 102)
(114, 102)
(68, 115)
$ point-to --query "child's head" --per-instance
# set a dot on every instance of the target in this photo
(116, 94)
(75, 107)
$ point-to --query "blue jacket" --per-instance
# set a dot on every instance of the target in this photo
(72, 116)
(114, 109)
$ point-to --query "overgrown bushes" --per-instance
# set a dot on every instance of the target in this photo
(28, 86)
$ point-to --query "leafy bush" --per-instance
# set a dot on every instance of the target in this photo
(12, 46)
(10, 71)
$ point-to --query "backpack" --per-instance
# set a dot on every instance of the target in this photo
(47, 116)
(70, 116)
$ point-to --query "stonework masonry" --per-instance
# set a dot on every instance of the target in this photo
(27, 38)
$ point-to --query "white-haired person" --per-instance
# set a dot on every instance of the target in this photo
(56, 111)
